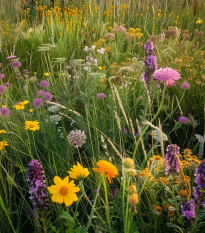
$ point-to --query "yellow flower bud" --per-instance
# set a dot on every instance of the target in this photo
(131, 172)
(134, 199)
(132, 189)
(128, 163)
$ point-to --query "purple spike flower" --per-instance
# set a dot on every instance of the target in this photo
(188, 210)
(172, 165)
(36, 179)
(150, 62)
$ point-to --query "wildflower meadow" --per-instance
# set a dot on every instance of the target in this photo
(102, 116)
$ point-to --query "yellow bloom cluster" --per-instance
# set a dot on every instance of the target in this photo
(136, 33)
(99, 42)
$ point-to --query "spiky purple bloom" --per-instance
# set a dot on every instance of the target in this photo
(101, 96)
(40, 93)
(185, 86)
(2, 88)
(44, 83)
(183, 120)
(2, 76)
(150, 62)
(4, 112)
(188, 210)
(47, 96)
(37, 103)
(36, 179)
(16, 64)
(199, 193)
(172, 165)
(11, 57)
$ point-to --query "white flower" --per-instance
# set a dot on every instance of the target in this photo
(86, 49)
(54, 108)
(101, 51)
(77, 136)
(55, 118)
(156, 135)
(95, 62)
(200, 138)
(93, 47)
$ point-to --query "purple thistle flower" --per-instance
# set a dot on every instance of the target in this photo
(101, 96)
(172, 165)
(44, 83)
(36, 179)
(150, 62)
(16, 64)
(4, 112)
(24, 87)
(2, 76)
(40, 93)
(183, 120)
(47, 96)
(24, 71)
(185, 86)
(18, 74)
(11, 57)
(37, 103)
(188, 210)
(7, 84)
(2, 88)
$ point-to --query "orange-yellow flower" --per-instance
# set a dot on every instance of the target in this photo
(107, 168)
(78, 172)
(32, 125)
(183, 193)
(63, 191)
(21, 105)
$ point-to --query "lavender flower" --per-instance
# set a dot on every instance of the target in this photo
(44, 83)
(40, 93)
(188, 210)
(47, 96)
(101, 96)
(4, 112)
(16, 64)
(2, 76)
(37, 103)
(185, 86)
(172, 165)
(183, 120)
(36, 179)
(150, 62)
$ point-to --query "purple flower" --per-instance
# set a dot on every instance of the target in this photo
(11, 57)
(24, 71)
(125, 130)
(18, 74)
(47, 96)
(44, 83)
(24, 87)
(183, 120)
(91, 201)
(101, 96)
(27, 72)
(114, 191)
(7, 84)
(185, 86)
(2, 88)
(37, 103)
(95, 191)
(188, 210)
(36, 179)
(2, 76)
(172, 165)
(158, 86)
(4, 112)
(75, 144)
(149, 46)
(40, 93)
(16, 64)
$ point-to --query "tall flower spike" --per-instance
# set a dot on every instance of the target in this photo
(172, 165)
(188, 210)
(36, 179)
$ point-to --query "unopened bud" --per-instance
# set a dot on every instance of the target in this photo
(134, 199)
(132, 189)
(128, 163)
(131, 172)
(133, 208)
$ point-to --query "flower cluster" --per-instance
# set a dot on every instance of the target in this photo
(188, 210)
(36, 179)
(172, 165)
(42, 96)
(78, 137)
(150, 62)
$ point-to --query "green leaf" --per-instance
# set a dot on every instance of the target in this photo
(175, 227)
(66, 215)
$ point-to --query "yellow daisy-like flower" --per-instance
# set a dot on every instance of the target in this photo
(78, 172)
(199, 21)
(31, 110)
(21, 105)
(107, 168)
(47, 74)
(3, 144)
(2, 131)
(4, 106)
(32, 125)
(63, 191)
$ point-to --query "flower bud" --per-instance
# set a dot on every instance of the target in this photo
(128, 163)
(134, 199)
(132, 189)
(131, 172)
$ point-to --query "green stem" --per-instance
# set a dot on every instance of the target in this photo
(176, 207)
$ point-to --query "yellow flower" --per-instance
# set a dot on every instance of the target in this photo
(31, 110)
(199, 21)
(32, 125)
(183, 193)
(100, 68)
(2, 131)
(63, 191)
(107, 168)
(4, 106)
(3, 144)
(134, 199)
(47, 74)
(78, 172)
(21, 105)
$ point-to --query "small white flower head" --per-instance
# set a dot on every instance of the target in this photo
(101, 51)
(77, 136)
(54, 108)
(93, 47)
(86, 49)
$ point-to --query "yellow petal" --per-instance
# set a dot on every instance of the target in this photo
(58, 181)
(67, 200)
(57, 198)
(74, 189)
(54, 189)
(71, 184)
(65, 180)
